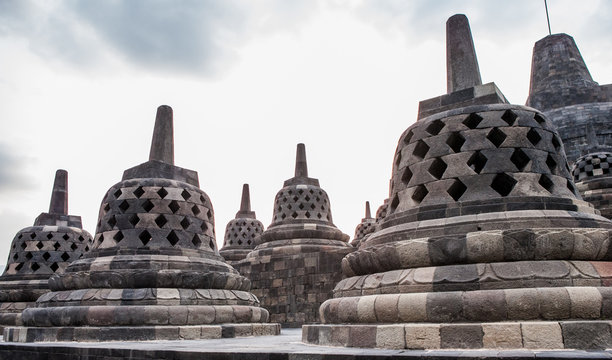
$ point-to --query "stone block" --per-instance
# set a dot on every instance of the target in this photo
(386, 308)
(522, 304)
(339, 336)
(591, 335)
(390, 337)
(484, 305)
(422, 336)
(485, 246)
(362, 336)
(502, 336)
(412, 307)
(365, 309)
(542, 335)
(461, 336)
(189, 332)
(554, 303)
(586, 302)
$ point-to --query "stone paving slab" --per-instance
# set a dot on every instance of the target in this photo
(287, 346)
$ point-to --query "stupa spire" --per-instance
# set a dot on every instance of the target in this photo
(368, 214)
(162, 145)
(301, 167)
(245, 203)
(59, 195)
(462, 69)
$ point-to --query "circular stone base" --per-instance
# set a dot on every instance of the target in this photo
(138, 333)
(586, 335)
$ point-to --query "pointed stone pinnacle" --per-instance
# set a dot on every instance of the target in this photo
(368, 214)
(245, 203)
(301, 168)
(162, 145)
(462, 69)
(59, 195)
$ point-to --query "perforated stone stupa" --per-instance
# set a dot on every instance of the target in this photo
(296, 262)
(154, 271)
(485, 243)
(40, 251)
(365, 227)
(594, 180)
(241, 232)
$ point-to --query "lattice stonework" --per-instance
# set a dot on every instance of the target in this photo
(301, 202)
(155, 213)
(592, 165)
(476, 156)
(242, 232)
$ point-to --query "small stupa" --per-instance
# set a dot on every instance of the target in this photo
(365, 227)
(593, 178)
(40, 251)
(485, 243)
(154, 271)
(296, 262)
(241, 232)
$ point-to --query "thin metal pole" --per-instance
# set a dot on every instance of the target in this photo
(547, 18)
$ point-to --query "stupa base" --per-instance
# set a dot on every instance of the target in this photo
(137, 333)
(584, 335)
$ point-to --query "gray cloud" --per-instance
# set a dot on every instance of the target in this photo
(12, 175)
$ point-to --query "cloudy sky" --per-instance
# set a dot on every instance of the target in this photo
(80, 82)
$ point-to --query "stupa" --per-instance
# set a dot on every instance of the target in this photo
(594, 180)
(365, 227)
(40, 251)
(485, 243)
(296, 262)
(241, 232)
(154, 271)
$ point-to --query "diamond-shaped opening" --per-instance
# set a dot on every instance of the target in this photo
(16, 256)
(186, 195)
(394, 203)
(172, 238)
(148, 205)
(455, 141)
(204, 227)
(65, 256)
(29, 256)
(161, 220)
(23, 245)
(134, 219)
(456, 190)
(546, 183)
(49, 236)
(124, 205)
(174, 206)
(196, 240)
(307, 214)
(73, 247)
(46, 256)
(551, 163)
(294, 215)
(117, 193)
(437, 168)
(421, 149)
(86, 248)
(145, 237)
(185, 223)
(81, 238)
(239, 242)
(435, 127)
(398, 158)
(138, 192)
(35, 267)
(101, 238)
(496, 137)
(209, 214)
(56, 245)
(65, 237)
(39, 245)
(118, 236)
(211, 244)
(477, 162)
(195, 210)
(202, 199)
(112, 221)
(406, 175)
(503, 184)
(519, 159)
(570, 187)
(54, 267)
(509, 117)
(539, 119)
(556, 142)
(533, 136)
(419, 193)
(472, 121)
(106, 207)
(19, 266)
(162, 193)
(408, 137)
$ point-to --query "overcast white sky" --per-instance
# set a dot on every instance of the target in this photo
(80, 82)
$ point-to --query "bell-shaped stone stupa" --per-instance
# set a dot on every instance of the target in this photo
(485, 243)
(296, 262)
(154, 271)
(241, 232)
(365, 227)
(39, 251)
(594, 180)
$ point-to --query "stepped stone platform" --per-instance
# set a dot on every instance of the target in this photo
(241, 232)
(296, 262)
(484, 242)
(154, 271)
(40, 251)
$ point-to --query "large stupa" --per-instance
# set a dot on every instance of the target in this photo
(485, 242)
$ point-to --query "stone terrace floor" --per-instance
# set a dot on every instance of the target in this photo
(287, 346)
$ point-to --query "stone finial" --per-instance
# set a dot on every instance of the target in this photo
(59, 196)
(462, 70)
(301, 167)
(368, 214)
(162, 145)
(245, 204)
